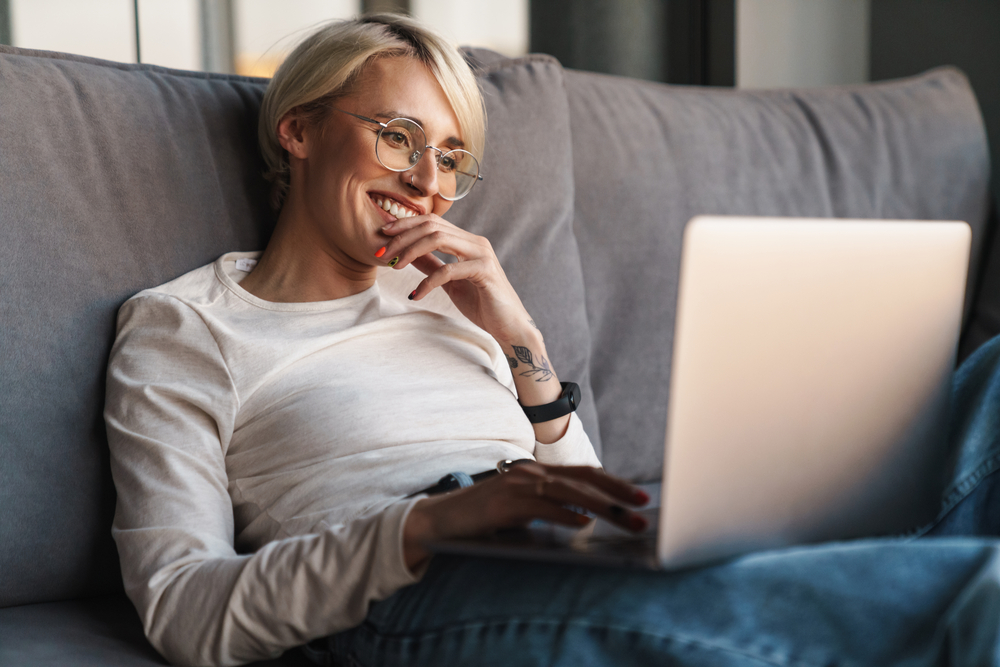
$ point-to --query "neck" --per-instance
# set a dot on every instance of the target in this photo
(299, 265)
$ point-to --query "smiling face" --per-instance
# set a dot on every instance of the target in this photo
(340, 191)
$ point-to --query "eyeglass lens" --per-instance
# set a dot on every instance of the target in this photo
(401, 144)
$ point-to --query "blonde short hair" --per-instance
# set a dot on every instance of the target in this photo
(328, 62)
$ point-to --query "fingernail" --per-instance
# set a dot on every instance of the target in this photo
(381, 251)
(387, 225)
(641, 497)
(582, 519)
(412, 294)
(617, 511)
(637, 523)
(393, 261)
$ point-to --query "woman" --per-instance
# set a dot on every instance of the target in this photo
(299, 404)
(271, 416)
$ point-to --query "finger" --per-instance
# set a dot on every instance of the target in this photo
(574, 485)
(531, 508)
(571, 492)
(447, 273)
(610, 484)
(494, 504)
(427, 264)
(404, 233)
(404, 224)
(424, 240)
(615, 486)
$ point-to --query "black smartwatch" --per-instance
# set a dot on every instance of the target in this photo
(565, 404)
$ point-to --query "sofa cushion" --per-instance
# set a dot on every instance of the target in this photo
(98, 632)
(116, 178)
(648, 157)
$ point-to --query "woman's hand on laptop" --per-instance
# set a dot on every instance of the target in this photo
(526, 492)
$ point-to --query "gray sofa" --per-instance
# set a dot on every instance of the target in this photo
(119, 177)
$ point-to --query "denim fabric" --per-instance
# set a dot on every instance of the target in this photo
(901, 601)
(971, 502)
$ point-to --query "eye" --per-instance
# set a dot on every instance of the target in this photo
(397, 138)
(447, 164)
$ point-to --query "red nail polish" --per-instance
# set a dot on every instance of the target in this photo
(641, 497)
(381, 251)
(637, 523)
(412, 294)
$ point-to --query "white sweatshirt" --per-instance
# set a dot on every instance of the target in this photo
(262, 452)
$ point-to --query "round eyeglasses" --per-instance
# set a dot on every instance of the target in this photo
(401, 143)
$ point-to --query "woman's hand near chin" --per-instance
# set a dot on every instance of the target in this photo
(526, 492)
(476, 283)
(479, 288)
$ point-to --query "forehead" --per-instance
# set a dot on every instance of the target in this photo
(403, 86)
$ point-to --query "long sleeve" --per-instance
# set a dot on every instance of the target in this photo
(573, 449)
(171, 410)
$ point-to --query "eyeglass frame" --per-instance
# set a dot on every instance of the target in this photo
(385, 126)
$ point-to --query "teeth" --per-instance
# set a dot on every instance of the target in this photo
(394, 208)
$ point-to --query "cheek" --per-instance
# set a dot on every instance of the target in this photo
(441, 206)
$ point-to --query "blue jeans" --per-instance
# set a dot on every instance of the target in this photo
(928, 599)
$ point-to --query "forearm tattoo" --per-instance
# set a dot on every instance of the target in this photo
(523, 356)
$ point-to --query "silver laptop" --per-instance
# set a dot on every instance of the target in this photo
(808, 393)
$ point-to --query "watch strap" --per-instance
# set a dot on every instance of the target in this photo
(567, 402)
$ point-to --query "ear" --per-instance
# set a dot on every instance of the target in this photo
(292, 135)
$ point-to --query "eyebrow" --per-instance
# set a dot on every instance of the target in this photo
(384, 116)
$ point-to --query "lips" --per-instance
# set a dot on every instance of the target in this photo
(392, 206)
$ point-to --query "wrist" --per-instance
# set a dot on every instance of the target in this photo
(522, 331)
(567, 402)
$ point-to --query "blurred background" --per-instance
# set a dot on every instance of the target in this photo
(235, 36)
(743, 43)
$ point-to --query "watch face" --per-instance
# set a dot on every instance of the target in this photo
(574, 395)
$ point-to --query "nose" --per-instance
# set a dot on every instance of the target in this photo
(423, 175)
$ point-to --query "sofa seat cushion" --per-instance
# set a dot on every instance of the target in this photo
(96, 632)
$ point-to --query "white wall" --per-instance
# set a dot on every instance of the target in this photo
(794, 43)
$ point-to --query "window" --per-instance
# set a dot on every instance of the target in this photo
(248, 37)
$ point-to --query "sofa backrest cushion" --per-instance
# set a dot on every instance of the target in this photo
(648, 157)
(116, 178)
